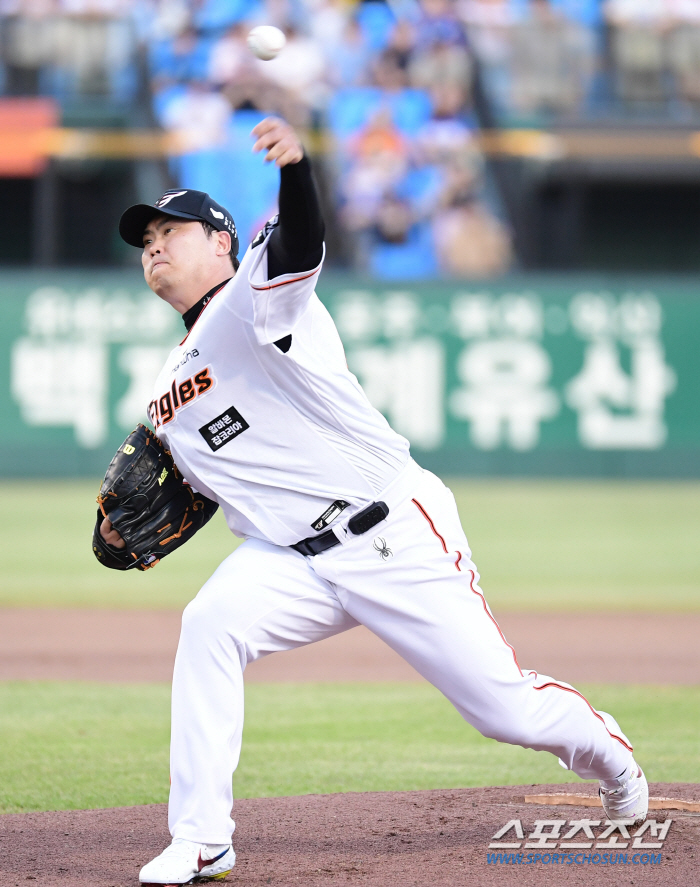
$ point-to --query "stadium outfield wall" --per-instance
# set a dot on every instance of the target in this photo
(528, 375)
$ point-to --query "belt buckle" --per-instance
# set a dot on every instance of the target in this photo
(364, 520)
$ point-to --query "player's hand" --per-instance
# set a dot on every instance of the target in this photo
(110, 535)
(279, 140)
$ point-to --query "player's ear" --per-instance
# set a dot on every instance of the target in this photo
(223, 243)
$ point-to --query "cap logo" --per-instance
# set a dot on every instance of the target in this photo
(166, 198)
(216, 214)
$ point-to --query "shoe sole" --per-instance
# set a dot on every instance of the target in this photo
(195, 880)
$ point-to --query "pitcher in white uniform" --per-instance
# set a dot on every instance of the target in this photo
(341, 526)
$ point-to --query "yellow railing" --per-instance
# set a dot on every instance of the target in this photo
(23, 147)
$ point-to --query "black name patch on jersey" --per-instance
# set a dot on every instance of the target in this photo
(223, 429)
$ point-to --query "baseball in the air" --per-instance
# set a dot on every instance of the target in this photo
(266, 42)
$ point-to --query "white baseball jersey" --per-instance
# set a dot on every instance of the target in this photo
(275, 438)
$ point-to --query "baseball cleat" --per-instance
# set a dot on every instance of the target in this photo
(184, 862)
(626, 797)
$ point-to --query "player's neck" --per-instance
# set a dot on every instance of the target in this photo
(183, 296)
(191, 316)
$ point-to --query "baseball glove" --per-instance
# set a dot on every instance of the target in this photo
(149, 503)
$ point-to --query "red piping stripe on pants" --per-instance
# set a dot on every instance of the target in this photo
(432, 527)
(498, 628)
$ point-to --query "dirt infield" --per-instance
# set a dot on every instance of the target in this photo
(123, 645)
(411, 839)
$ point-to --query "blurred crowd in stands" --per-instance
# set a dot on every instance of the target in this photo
(68, 48)
(392, 94)
(389, 96)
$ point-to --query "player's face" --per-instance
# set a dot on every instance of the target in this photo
(176, 253)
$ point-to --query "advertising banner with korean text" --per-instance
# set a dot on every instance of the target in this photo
(529, 375)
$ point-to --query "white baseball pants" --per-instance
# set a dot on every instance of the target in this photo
(411, 581)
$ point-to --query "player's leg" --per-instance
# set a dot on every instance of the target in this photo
(262, 599)
(424, 600)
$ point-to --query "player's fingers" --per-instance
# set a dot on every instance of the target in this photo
(268, 140)
(271, 155)
(116, 540)
(266, 125)
(283, 135)
(110, 535)
(273, 137)
(267, 136)
(105, 527)
(288, 145)
(291, 155)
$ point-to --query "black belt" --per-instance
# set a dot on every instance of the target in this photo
(358, 524)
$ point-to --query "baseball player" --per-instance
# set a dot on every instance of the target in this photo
(341, 526)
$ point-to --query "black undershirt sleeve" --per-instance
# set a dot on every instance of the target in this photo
(296, 244)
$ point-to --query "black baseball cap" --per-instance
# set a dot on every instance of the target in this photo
(183, 204)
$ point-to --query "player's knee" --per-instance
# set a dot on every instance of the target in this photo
(207, 636)
(195, 620)
(202, 617)
(209, 631)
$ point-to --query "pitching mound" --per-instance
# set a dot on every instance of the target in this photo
(409, 839)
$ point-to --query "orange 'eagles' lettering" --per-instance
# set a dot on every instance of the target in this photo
(162, 410)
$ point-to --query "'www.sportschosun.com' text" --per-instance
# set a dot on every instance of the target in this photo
(573, 858)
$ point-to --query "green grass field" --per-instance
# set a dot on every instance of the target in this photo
(547, 545)
(72, 746)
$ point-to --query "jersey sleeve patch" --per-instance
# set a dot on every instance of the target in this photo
(262, 234)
